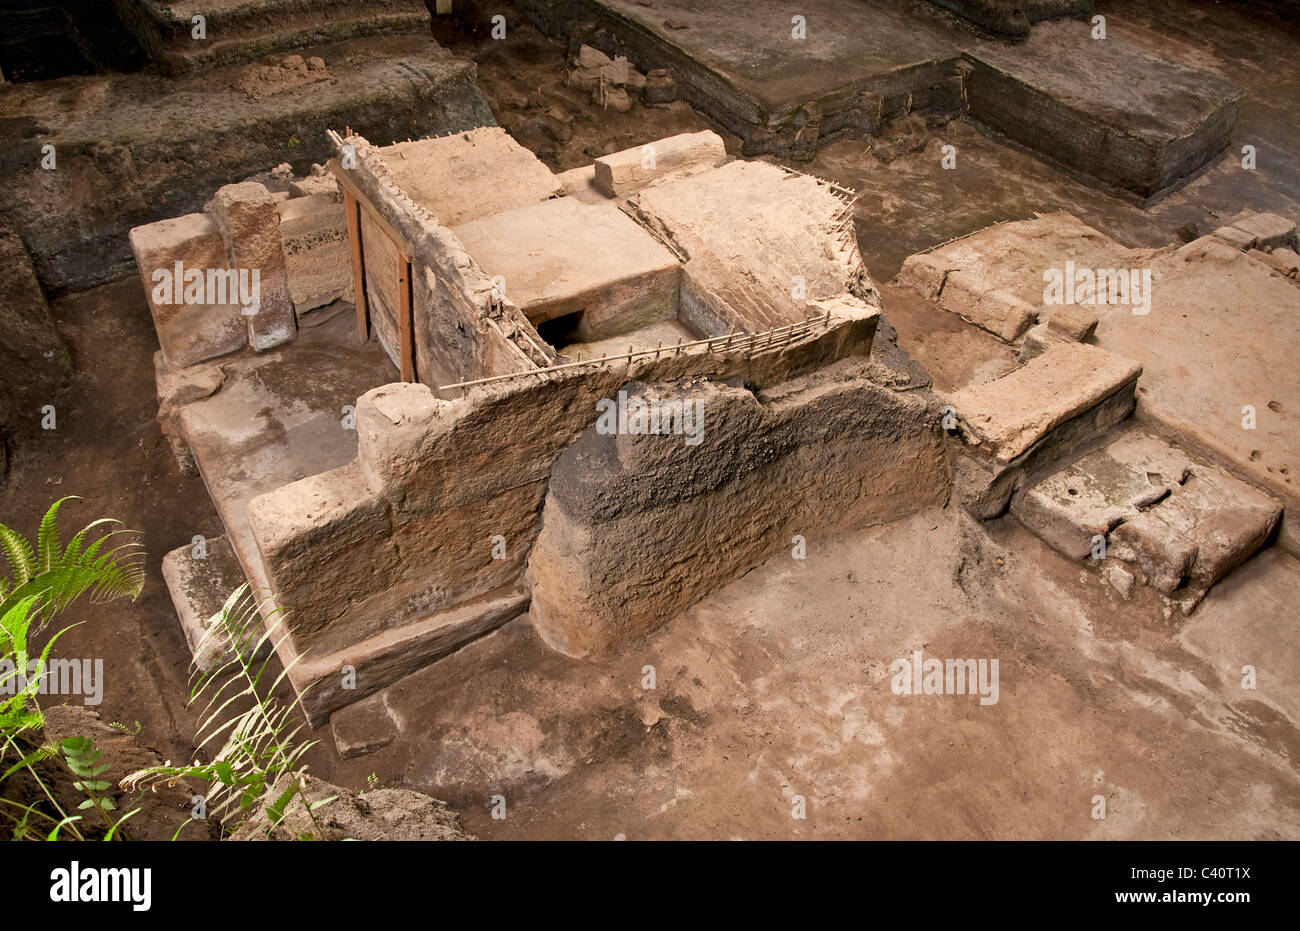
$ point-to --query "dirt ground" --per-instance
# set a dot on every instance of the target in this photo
(523, 78)
(778, 686)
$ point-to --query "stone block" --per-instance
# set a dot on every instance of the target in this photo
(1038, 339)
(316, 184)
(1000, 312)
(589, 57)
(1237, 238)
(1074, 321)
(1182, 523)
(249, 221)
(201, 579)
(1097, 493)
(632, 169)
(610, 97)
(363, 727)
(1007, 416)
(1283, 260)
(563, 257)
(189, 331)
(924, 273)
(1267, 230)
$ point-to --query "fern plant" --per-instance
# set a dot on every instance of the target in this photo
(46, 579)
(257, 749)
(112, 566)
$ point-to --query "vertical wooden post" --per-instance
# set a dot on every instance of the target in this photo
(353, 211)
(404, 320)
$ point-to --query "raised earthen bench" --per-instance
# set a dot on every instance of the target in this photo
(1105, 108)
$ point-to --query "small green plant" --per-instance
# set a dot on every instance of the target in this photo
(83, 759)
(45, 580)
(257, 749)
(55, 576)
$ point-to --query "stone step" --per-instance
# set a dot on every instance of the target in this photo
(201, 578)
(241, 30)
(1141, 508)
(1018, 425)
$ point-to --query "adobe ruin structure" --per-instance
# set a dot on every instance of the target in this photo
(946, 329)
(444, 470)
(479, 485)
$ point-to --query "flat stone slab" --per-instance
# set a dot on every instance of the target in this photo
(1102, 107)
(278, 417)
(759, 244)
(564, 257)
(1178, 521)
(1219, 364)
(200, 578)
(364, 726)
(468, 175)
(1007, 416)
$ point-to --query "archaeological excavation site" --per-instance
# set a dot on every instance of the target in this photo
(650, 420)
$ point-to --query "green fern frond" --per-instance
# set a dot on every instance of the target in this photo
(47, 537)
(111, 567)
(254, 741)
(18, 553)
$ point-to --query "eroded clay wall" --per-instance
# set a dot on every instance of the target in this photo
(637, 528)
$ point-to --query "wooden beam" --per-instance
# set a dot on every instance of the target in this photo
(353, 211)
(404, 318)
